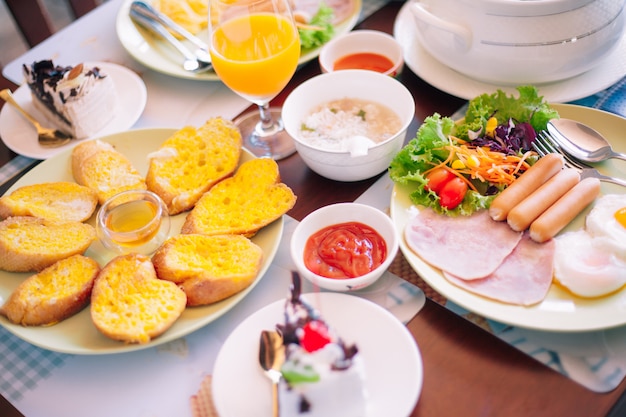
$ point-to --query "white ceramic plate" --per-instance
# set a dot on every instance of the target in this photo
(559, 311)
(21, 137)
(393, 363)
(452, 82)
(156, 54)
(77, 334)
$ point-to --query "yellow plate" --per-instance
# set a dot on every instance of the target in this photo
(77, 334)
(156, 54)
(559, 311)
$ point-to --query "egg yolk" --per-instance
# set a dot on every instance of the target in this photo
(620, 216)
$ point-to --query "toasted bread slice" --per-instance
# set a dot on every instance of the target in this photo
(208, 268)
(99, 166)
(251, 199)
(55, 201)
(129, 303)
(54, 294)
(193, 160)
(32, 243)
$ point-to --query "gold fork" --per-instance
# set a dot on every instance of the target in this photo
(49, 138)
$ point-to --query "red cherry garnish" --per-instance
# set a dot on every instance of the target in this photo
(315, 336)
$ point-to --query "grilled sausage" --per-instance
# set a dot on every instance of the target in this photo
(564, 210)
(523, 186)
(524, 213)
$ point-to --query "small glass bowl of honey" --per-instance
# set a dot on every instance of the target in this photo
(133, 221)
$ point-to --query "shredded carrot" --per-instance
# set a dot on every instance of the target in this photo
(445, 164)
(483, 164)
(493, 167)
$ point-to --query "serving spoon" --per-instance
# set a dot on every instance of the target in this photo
(581, 141)
(49, 138)
(271, 358)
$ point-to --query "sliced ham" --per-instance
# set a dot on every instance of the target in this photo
(468, 247)
(524, 278)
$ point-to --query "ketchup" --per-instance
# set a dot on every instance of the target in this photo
(344, 250)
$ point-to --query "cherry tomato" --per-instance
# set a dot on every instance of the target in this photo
(437, 178)
(452, 193)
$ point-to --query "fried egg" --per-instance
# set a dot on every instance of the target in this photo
(607, 224)
(585, 268)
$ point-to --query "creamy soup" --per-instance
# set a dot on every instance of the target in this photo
(332, 125)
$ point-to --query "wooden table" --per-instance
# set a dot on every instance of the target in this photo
(468, 371)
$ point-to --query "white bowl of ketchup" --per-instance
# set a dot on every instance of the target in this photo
(344, 246)
(363, 49)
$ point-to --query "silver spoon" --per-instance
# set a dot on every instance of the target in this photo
(49, 138)
(581, 141)
(190, 62)
(271, 358)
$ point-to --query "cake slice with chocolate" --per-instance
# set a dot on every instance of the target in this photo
(78, 100)
(323, 376)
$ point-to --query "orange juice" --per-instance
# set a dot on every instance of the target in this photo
(256, 55)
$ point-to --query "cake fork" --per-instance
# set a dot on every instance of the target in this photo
(49, 138)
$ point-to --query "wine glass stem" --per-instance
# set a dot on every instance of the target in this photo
(267, 126)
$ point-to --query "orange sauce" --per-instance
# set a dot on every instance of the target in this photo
(344, 250)
(364, 60)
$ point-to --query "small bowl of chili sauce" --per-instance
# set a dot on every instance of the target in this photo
(344, 246)
(363, 49)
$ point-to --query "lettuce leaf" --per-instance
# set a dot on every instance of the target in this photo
(528, 107)
(310, 38)
(422, 153)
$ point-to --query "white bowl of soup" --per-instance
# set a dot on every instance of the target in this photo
(348, 125)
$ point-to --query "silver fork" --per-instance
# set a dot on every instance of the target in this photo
(545, 144)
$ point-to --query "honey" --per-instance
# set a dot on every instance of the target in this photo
(133, 223)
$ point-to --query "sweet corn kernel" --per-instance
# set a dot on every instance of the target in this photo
(472, 161)
(492, 123)
(458, 164)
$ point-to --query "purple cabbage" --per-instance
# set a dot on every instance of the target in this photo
(510, 138)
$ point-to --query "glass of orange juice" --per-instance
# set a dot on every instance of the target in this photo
(255, 48)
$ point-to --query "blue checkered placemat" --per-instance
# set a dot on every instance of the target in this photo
(612, 99)
(24, 365)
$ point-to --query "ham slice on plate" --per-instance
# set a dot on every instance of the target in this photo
(524, 278)
(468, 247)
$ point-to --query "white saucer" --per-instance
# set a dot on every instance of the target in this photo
(452, 82)
(21, 137)
(393, 364)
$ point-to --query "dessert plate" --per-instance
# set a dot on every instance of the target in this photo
(393, 364)
(78, 335)
(155, 54)
(559, 311)
(452, 82)
(21, 137)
